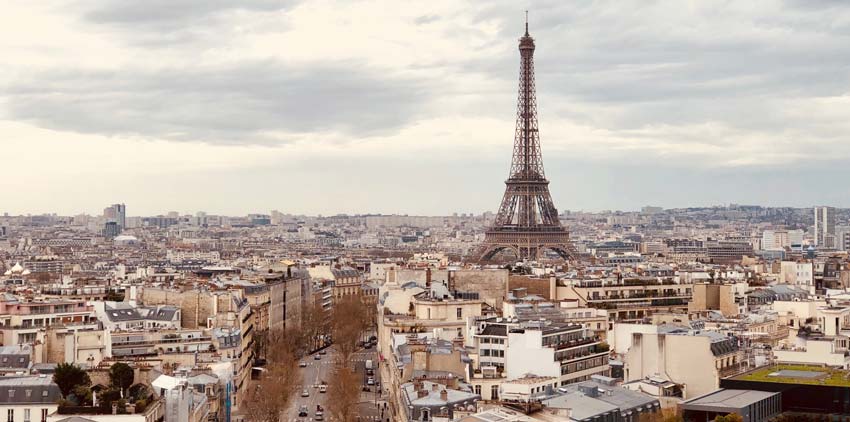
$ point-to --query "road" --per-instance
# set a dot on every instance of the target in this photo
(318, 371)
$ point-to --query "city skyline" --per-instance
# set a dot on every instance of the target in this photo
(409, 110)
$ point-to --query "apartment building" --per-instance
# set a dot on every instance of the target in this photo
(565, 351)
(694, 359)
(626, 299)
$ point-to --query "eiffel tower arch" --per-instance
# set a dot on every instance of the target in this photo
(527, 222)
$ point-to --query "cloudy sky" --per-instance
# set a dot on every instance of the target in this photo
(408, 107)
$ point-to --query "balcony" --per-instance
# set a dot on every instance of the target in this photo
(574, 343)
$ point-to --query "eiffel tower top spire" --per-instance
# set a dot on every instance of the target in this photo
(526, 23)
(527, 162)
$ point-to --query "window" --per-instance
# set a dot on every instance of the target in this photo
(10, 415)
(478, 390)
(43, 415)
(26, 415)
(459, 313)
(11, 394)
(494, 392)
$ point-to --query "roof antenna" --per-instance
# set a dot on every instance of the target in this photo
(526, 23)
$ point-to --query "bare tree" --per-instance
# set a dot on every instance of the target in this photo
(349, 322)
(314, 324)
(269, 397)
(344, 394)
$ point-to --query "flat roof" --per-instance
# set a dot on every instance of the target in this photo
(730, 398)
(798, 374)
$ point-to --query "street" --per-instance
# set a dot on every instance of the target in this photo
(318, 371)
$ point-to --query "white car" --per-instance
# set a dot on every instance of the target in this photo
(305, 393)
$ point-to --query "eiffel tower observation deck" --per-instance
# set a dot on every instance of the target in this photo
(527, 222)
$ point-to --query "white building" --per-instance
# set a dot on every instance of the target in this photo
(28, 398)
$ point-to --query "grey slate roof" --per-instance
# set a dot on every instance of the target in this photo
(27, 390)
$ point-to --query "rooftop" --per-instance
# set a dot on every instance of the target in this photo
(798, 374)
(730, 398)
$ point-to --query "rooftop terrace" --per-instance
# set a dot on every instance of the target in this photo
(798, 374)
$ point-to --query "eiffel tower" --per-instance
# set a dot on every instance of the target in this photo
(527, 222)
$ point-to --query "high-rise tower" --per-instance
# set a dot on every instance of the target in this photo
(527, 221)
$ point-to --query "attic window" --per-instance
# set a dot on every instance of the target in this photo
(11, 394)
(44, 393)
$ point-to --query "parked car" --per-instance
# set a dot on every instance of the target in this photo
(323, 352)
(370, 381)
(317, 357)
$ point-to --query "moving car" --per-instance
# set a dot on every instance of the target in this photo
(302, 364)
(305, 393)
(323, 388)
(302, 411)
(317, 357)
(323, 352)
(370, 381)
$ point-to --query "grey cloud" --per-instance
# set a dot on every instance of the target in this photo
(653, 63)
(171, 11)
(426, 19)
(242, 103)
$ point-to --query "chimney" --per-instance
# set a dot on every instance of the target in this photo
(435, 387)
(421, 393)
(428, 277)
(444, 395)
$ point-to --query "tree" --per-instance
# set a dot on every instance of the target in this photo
(121, 376)
(732, 417)
(314, 324)
(343, 394)
(270, 396)
(68, 376)
(351, 318)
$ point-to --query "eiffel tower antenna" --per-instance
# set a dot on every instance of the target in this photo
(527, 222)
(526, 23)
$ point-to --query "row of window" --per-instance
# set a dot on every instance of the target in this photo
(28, 393)
(486, 340)
(584, 364)
(495, 353)
(10, 415)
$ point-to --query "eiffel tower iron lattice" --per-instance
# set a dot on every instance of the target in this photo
(527, 222)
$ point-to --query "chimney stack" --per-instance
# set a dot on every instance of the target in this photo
(435, 387)
(444, 395)
(428, 277)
